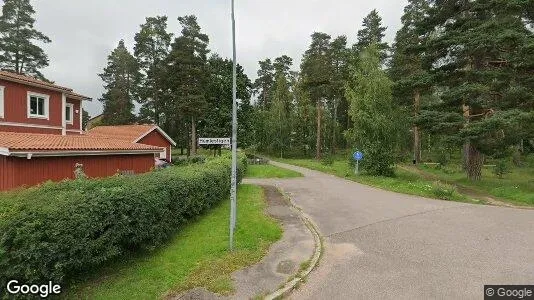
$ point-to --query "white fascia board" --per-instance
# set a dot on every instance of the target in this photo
(4, 151)
(165, 135)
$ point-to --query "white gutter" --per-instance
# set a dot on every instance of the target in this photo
(4, 151)
(27, 154)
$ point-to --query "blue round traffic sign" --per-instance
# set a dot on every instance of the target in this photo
(358, 155)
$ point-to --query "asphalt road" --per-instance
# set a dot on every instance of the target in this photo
(384, 245)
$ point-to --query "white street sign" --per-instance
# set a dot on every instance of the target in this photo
(214, 141)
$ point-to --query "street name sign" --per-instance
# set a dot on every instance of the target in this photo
(214, 141)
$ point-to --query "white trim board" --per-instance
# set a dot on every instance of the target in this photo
(13, 124)
(165, 135)
(81, 153)
(2, 100)
(46, 104)
(70, 106)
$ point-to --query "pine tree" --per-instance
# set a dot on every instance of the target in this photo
(217, 119)
(372, 33)
(264, 83)
(18, 52)
(121, 79)
(406, 68)
(85, 119)
(480, 55)
(339, 55)
(151, 48)
(316, 72)
(280, 115)
(188, 74)
(371, 110)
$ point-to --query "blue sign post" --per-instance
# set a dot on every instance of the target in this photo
(357, 157)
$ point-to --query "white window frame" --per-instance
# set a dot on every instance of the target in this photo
(46, 108)
(70, 106)
(163, 154)
(2, 101)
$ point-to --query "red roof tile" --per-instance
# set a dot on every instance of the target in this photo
(17, 142)
(129, 133)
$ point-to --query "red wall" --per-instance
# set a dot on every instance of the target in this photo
(76, 124)
(16, 104)
(6, 173)
(16, 172)
(16, 109)
(156, 139)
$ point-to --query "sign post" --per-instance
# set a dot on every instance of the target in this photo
(357, 157)
(233, 188)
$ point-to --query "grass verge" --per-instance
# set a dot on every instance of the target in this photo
(197, 257)
(405, 182)
(270, 171)
(516, 187)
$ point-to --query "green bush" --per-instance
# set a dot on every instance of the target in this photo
(61, 230)
(501, 168)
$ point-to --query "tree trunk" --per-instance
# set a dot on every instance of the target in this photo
(334, 139)
(465, 150)
(416, 145)
(193, 136)
(416, 131)
(475, 161)
(318, 144)
(156, 111)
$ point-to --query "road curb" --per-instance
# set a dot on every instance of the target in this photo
(292, 284)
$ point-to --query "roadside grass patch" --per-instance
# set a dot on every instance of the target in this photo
(196, 257)
(404, 182)
(516, 186)
(270, 171)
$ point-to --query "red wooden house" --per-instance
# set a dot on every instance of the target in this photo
(144, 134)
(41, 137)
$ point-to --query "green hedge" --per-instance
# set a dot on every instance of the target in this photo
(60, 230)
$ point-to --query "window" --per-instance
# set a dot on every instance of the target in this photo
(2, 101)
(69, 113)
(38, 106)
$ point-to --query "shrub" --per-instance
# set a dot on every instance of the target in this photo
(444, 191)
(501, 168)
(59, 230)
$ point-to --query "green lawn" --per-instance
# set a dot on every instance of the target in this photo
(270, 171)
(405, 182)
(197, 257)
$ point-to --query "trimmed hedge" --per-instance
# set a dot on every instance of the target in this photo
(60, 230)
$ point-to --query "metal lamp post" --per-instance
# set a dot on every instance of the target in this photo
(233, 189)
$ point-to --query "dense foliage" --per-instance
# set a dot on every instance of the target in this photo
(61, 230)
(18, 49)
(372, 113)
(461, 78)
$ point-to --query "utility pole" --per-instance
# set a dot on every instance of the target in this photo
(233, 189)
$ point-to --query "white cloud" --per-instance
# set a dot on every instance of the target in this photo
(83, 33)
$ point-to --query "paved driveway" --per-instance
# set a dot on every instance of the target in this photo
(384, 245)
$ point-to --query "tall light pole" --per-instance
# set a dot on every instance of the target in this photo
(233, 189)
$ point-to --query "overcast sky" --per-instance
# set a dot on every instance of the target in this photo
(83, 32)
